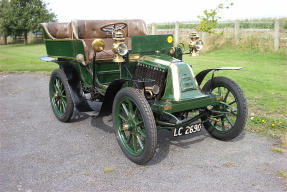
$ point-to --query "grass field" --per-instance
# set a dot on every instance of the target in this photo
(23, 58)
(263, 79)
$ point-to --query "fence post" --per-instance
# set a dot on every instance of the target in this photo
(153, 29)
(276, 35)
(236, 32)
(176, 33)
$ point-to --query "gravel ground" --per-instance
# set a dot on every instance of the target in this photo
(39, 153)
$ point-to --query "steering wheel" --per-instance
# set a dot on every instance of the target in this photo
(114, 26)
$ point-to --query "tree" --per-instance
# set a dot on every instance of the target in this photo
(210, 18)
(5, 15)
(27, 15)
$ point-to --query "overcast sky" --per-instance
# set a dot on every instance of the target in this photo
(163, 10)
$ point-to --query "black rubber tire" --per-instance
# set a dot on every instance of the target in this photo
(242, 110)
(149, 123)
(70, 105)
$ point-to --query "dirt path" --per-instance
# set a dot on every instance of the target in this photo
(39, 153)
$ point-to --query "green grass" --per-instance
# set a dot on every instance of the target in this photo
(24, 58)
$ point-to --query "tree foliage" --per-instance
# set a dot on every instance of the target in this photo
(210, 18)
(5, 21)
(23, 16)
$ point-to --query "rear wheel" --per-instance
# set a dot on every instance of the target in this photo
(134, 125)
(228, 118)
(60, 96)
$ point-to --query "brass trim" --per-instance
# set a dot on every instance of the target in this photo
(134, 57)
(74, 30)
(44, 25)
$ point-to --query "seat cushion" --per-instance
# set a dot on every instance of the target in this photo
(60, 30)
(90, 29)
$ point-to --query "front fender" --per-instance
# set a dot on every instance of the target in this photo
(201, 75)
(111, 92)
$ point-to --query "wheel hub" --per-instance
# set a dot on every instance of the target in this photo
(129, 125)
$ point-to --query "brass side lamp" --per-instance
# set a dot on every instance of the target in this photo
(195, 45)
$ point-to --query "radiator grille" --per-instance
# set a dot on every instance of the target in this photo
(146, 72)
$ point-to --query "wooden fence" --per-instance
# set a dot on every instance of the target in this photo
(36, 37)
(277, 33)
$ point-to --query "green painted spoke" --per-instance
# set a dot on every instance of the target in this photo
(232, 112)
(122, 117)
(215, 123)
(222, 123)
(58, 103)
(64, 105)
(57, 84)
(61, 85)
(135, 143)
(53, 101)
(226, 95)
(141, 131)
(129, 139)
(229, 121)
(130, 106)
(139, 123)
(232, 102)
(140, 141)
(210, 123)
(219, 91)
(61, 106)
(125, 109)
(55, 87)
(136, 114)
(136, 111)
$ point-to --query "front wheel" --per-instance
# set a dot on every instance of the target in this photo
(226, 119)
(134, 125)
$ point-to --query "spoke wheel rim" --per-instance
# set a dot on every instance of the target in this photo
(130, 126)
(58, 96)
(226, 111)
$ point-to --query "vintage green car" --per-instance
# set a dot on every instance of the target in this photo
(142, 80)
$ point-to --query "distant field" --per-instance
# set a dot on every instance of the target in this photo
(263, 78)
(23, 58)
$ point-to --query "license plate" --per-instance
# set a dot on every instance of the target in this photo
(187, 130)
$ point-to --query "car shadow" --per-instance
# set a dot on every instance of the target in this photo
(165, 138)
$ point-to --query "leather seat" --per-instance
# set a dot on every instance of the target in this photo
(58, 30)
(88, 30)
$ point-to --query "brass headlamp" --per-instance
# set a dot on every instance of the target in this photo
(119, 47)
(195, 45)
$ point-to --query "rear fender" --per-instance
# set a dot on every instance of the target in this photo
(200, 76)
(75, 87)
(74, 83)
